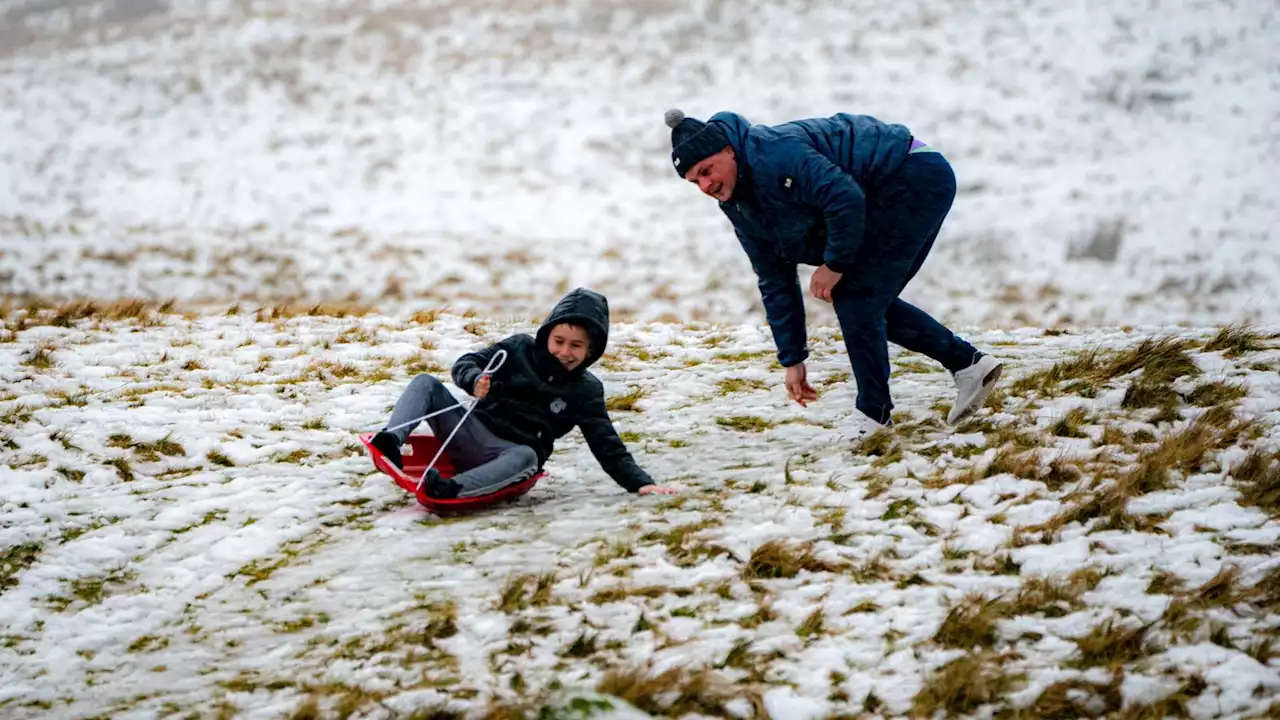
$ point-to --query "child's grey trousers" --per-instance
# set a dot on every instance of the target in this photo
(484, 462)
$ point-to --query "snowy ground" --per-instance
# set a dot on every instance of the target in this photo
(1116, 159)
(190, 527)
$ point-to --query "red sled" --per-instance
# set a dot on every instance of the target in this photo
(416, 453)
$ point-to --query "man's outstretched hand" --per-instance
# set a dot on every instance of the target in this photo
(656, 490)
(798, 385)
(481, 388)
(823, 281)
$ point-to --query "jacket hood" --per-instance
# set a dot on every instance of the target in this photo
(737, 128)
(582, 307)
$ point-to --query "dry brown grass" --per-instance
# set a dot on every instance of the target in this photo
(1177, 455)
(1258, 479)
(965, 684)
(682, 544)
(1225, 590)
(290, 309)
(38, 312)
(1161, 360)
(524, 591)
(1075, 698)
(1114, 643)
(971, 623)
(677, 692)
(1008, 460)
(1053, 597)
(627, 401)
(1217, 392)
(1235, 340)
(781, 559)
(1068, 425)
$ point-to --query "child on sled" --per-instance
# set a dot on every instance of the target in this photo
(540, 392)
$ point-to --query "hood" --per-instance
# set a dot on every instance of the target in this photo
(582, 307)
(736, 129)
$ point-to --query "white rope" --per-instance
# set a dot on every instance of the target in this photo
(494, 363)
(426, 417)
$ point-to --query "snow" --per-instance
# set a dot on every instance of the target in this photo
(1114, 164)
(194, 585)
(1113, 159)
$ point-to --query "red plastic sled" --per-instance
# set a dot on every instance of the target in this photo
(416, 453)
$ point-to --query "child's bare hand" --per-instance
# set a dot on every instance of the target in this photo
(657, 490)
(482, 387)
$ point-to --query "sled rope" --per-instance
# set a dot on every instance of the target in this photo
(494, 363)
(427, 416)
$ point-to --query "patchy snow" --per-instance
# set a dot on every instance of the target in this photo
(1114, 160)
(190, 525)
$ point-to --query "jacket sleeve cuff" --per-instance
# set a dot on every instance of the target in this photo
(840, 267)
(790, 359)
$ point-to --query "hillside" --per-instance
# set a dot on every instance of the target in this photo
(191, 527)
(1114, 158)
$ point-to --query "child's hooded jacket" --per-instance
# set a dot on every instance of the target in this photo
(534, 401)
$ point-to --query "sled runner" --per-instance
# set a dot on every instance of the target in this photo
(416, 454)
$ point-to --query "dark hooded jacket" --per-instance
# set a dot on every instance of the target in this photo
(801, 199)
(534, 401)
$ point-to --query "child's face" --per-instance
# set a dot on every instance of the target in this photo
(569, 344)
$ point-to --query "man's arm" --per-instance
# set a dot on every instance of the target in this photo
(783, 304)
(822, 184)
(607, 447)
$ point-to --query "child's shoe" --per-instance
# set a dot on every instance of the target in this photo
(973, 385)
(389, 446)
(440, 488)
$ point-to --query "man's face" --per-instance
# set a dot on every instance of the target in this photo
(569, 344)
(717, 175)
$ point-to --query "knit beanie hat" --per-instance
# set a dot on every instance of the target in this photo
(693, 141)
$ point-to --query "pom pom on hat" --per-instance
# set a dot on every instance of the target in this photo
(673, 117)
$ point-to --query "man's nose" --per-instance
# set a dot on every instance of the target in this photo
(705, 184)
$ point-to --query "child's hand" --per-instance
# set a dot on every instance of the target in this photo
(482, 387)
(657, 490)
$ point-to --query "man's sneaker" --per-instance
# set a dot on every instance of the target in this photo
(440, 488)
(389, 446)
(973, 385)
(859, 425)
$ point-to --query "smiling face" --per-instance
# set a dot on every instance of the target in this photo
(716, 175)
(569, 344)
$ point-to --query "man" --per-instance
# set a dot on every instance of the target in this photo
(861, 200)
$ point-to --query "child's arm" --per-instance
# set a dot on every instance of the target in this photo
(468, 368)
(608, 448)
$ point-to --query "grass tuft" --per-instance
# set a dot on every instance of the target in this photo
(971, 623)
(15, 559)
(676, 692)
(964, 685)
(780, 559)
(219, 458)
(1234, 341)
(1112, 644)
(627, 401)
(744, 423)
(1258, 480)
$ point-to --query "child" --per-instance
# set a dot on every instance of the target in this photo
(541, 391)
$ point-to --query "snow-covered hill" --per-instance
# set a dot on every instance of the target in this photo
(1116, 159)
(189, 526)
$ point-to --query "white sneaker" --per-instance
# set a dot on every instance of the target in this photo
(973, 385)
(857, 426)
